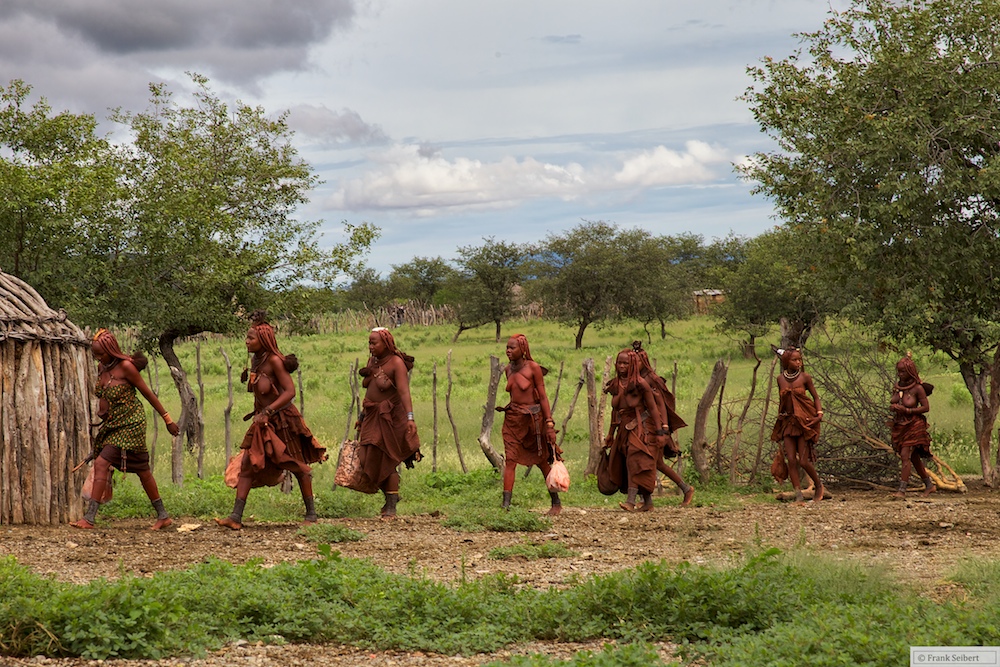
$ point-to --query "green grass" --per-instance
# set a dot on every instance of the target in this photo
(765, 608)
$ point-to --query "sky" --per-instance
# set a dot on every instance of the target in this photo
(444, 122)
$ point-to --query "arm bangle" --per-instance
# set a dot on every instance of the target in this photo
(409, 416)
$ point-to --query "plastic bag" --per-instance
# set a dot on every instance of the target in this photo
(558, 478)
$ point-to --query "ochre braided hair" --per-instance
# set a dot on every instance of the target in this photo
(105, 342)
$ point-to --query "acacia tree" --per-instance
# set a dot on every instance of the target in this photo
(592, 273)
(889, 136)
(57, 185)
(421, 279)
(212, 235)
(488, 274)
(664, 293)
(777, 282)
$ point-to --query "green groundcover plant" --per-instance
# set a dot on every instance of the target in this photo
(768, 608)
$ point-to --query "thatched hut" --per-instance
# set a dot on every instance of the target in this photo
(45, 378)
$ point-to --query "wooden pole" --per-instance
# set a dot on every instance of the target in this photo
(698, 443)
(434, 403)
(489, 411)
(201, 411)
(451, 418)
(228, 412)
(593, 420)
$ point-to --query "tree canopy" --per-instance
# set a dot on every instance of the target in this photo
(888, 128)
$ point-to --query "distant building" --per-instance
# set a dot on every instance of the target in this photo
(704, 299)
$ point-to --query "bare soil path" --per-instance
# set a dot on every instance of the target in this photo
(921, 539)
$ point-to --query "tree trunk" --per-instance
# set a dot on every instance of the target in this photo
(497, 322)
(663, 329)
(495, 459)
(794, 333)
(701, 418)
(190, 422)
(984, 389)
(579, 333)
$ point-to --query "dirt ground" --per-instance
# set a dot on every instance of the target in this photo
(919, 538)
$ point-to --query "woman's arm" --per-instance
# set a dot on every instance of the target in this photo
(286, 388)
(807, 381)
(134, 378)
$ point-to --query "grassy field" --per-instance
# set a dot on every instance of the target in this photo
(693, 345)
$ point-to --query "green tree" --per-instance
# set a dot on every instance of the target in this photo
(58, 184)
(367, 290)
(665, 291)
(488, 274)
(421, 280)
(592, 274)
(777, 282)
(888, 130)
(210, 218)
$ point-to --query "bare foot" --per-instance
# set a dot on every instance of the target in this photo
(799, 500)
(388, 516)
(554, 510)
(899, 494)
(308, 521)
(818, 494)
(161, 523)
(928, 490)
(83, 524)
(628, 507)
(229, 523)
(645, 507)
(688, 495)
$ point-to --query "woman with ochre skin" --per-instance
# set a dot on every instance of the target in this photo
(292, 446)
(121, 439)
(799, 417)
(387, 430)
(529, 432)
(665, 403)
(910, 438)
(635, 419)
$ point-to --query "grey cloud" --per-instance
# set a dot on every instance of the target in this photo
(563, 39)
(240, 40)
(334, 128)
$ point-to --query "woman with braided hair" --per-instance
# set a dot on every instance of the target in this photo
(910, 439)
(387, 431)
(797, 425)
(635, 419)
(278, 438)
(121, 438)
(666, 404)
(529, 432)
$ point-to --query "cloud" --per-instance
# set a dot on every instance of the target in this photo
(662, 166)
(332, 129)
(426, 183)
(239, 41)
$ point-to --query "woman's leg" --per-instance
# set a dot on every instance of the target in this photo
(153, 493)
(905, 459)
(235, 520)
(676, 478)
(390, 488)
(509, 470)
(810, 469)
(305, 479)
(918, 463)
(98, 493)
(792, 457)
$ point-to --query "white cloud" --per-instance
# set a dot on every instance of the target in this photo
(662, 166)
(426, 182)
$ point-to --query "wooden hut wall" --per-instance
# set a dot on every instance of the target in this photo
(45, 405)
